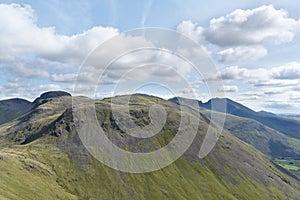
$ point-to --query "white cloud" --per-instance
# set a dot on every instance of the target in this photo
(281, 105)
(148, 65)
(191, 30)
(29, 68)
(275, 89)
(63, 77)
(27, 90)
(49, 87)
(288, 71)
(20, 35)
(26, 72)
(242, 35)
(295, 96)
(23, 71)
(252, 27)
(248, 75)
(229, 88)
(23, 38)
(187, 92)
(285, 75)
(242, 54)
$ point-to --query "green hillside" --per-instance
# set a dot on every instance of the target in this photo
(41, 157)
(12, 108)
(263, 138)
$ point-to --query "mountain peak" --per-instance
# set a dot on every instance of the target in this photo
(49, 95)
(232, 106)
(15, 103)
(54, 94)
(13, 108)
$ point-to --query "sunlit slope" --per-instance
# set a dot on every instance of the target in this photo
(48, 161)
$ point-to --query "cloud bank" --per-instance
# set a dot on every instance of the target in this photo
(243, 34)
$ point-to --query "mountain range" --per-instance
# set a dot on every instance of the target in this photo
(287, 126)
(42, 156)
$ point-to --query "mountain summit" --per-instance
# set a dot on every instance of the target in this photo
(54, 94)
(48, 95)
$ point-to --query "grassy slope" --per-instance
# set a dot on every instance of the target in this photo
(33, 171)
(280, 147)
(45, 169)
(265, 139)
(285, 125)
(7, 115)
(293, 165)
(25, 177)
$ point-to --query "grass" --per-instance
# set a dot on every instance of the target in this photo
(40, 170)
(267, 140)
(25, 178)
(291, 164)
(28, 172)
(44, 170)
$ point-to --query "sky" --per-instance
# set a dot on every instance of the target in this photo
(253, 44)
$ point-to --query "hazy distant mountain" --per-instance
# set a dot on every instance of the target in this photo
(13, 108)
(294, 117)
(264, 138)
(267, 140)
(290, 127)
(42, 157)
(267, 113)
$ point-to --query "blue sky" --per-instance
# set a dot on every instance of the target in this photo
(254, 44)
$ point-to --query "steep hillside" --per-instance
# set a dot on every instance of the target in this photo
(289, 127)
(28, 127)
(48, 161)
(263, 138)
(13, 108)
(267, 140)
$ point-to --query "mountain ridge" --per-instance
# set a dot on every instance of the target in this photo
(16, 107)
(233, 170)
(287, 126)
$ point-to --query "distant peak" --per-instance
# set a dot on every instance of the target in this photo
(267, 113)
(54, 94)
(220, 99)
(17, 100)
(183, 99)
(49, 95)
(15, 104)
